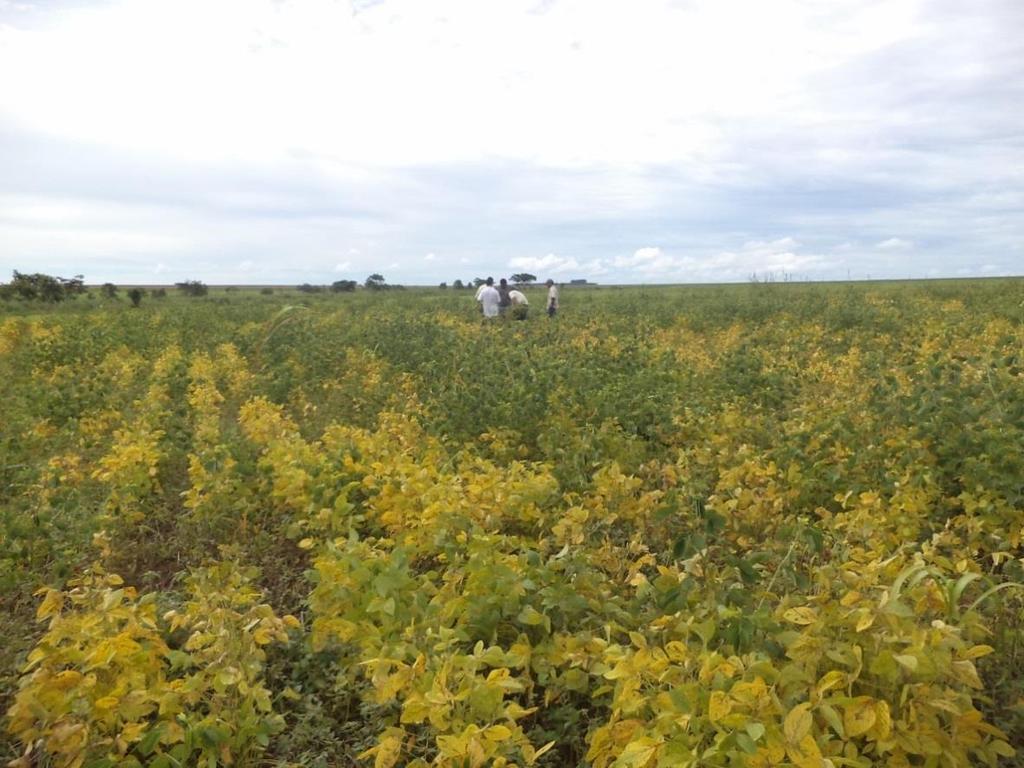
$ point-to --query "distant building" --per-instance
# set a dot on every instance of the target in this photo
(581, 281)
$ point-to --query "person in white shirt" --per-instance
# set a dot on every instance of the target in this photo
(520, 305)
(488, 297)
(552, 297)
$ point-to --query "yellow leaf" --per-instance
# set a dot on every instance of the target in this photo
(977, 652)
(805, 754)
(798, 723)
(749, 693)
(906, 660)
(546, 748)
(498, 733)
(867, 618)
(860, 716)
(719, 706)
(830, 680)
(965, 672)
(1002, 749)
(883, 721)
(69, 678)
(51, 604)
(676, 650)
(261, 636)
(850, 598)
(388, 749)
(638, 753)
(415, 709)
(802, 615)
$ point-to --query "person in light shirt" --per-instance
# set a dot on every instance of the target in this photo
(552, 298)
(520, 305)
(488, 297)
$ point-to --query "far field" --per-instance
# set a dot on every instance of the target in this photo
(750, 525)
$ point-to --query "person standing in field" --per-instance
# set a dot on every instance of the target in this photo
(479, 291)
(488, 297)
(504, 302)
(552, 297)
(520, 305)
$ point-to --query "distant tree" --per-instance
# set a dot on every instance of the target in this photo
(267, 291)
(524, 278)
(73, 286)
(343, 286)
(109, 290)
(192, 288)
(443, 285)
(25, 286)
(158, 293)
(375, 282)
(307, 288)
(478, 281)
(135, 294)
(457, 284)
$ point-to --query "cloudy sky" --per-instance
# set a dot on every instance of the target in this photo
(279, 141)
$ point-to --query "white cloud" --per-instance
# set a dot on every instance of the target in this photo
(549, 263)
(651, 264)
(343, 266)
(642, 257)
(894, 244)
(779, 259)
(593, 268)
(278, 59)
(430, 257)
(773, 246)
(245, 265)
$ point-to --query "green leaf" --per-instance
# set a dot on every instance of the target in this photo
(530, 616)
(832, 718)
(755, 730)
(148, 742)
(212, 736)
(744, 742)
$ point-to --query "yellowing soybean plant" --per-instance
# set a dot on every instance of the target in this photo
(715, 526)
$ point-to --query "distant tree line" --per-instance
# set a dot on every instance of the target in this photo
(40, 287)
(338, 286)
(52, 289)
(192, 288)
